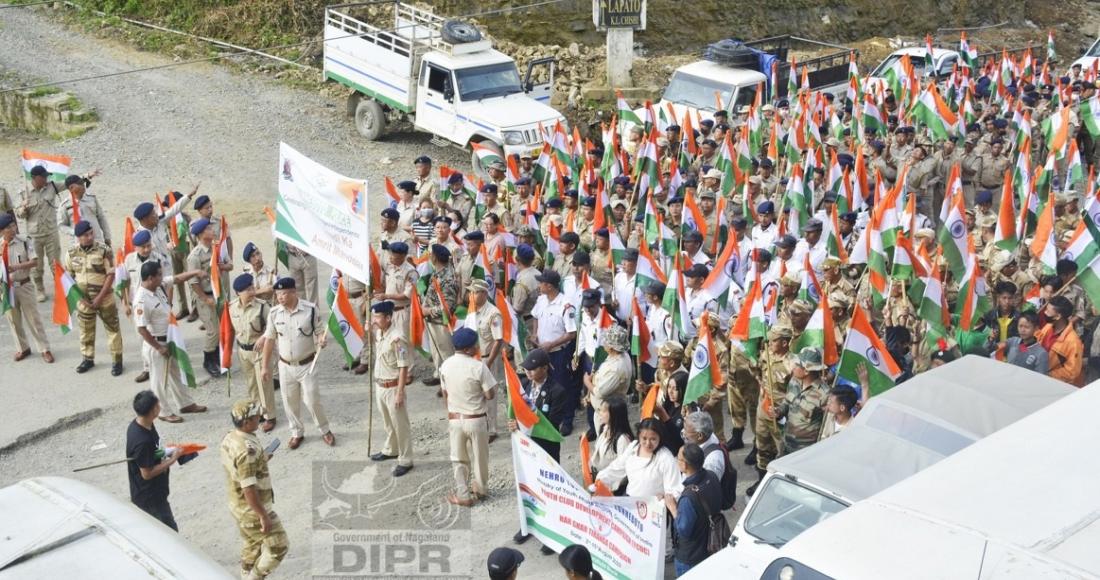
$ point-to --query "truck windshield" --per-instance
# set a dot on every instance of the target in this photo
(494, 80)
(786, 509)
(916, 61)
(696, 92)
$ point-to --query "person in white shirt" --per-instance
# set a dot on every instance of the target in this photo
(693, 249)
(615, 434)
(699, 429)
(698, 300)
(647, 465)
(624, 287)
(765, 232)
(556, 332)
(840, 406)
(812, 244)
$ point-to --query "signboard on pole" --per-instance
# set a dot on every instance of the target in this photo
(323, 213)
(619, 14)
(625, 535)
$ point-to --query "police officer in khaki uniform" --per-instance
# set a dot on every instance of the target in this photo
(603, 265)
(88, 209)
(296, 323)
(251, 497)
(151, 317)
(263, 275)
(776, 365)
(91, 265)
(21, 260)
(203, 290)
(994, 164)
(426, 185)
(490, 341)
(525, 292)
(400, 282)
(159, 226)
(38, 210)
(249, 316)
(391, 378)
(468, 388)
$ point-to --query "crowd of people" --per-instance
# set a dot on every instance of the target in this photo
(612, 272)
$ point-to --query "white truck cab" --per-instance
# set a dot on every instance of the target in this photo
(438, 74)
(898, 434)
(1092, 53)
(943, 62)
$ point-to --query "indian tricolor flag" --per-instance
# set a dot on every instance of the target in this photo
(513, 331)
(1090, 115)
(649, 271)
(973, 296)
(933, 308)
(717, 284)
(7, 290)
(391, 192)
(623, 110)
(1006, 236)
(675, 302)
(343, 325)
(641, 345)
(418, 327)
(931, 110)
(531, 421)
(953, 237)
(122, 276)
(486, 155)
(1056, 131)
(864, 347)
(1043, 248)
(57, 165)
(177, 349)
(819, 332)
(752, 320)
(705, 373)
(66, 297)
(226, 336)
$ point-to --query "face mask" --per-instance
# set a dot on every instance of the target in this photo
(427, 213)
(454, 227)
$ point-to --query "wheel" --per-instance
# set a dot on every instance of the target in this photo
(370, 121)
(459, 32)
(732, 53)
(475, 162)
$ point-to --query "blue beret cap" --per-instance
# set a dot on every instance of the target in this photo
(765, 207)
(1000, 123)
(571, 193)
(143, 209)
(441, 252)
(765, 162)
(199, 225)
(242, 282)
(249, 249)
(983, 196)
(523, 181)
(285, 283)
(6, 219)
(391, 214)
(407, 185)
(454, 178)
(556, 203)
(675, 199)
(845, 160)
(525, 252)
(423, 159)
(141, 238)
(399, 247)
(464, 338)
(848, 217)
(603, 233)
(39, 171)
(82, 227)
(383, 307)
(589, 202)
(489, 188)
(474, 236)
(201, 201)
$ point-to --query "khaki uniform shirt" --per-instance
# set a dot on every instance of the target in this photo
(399, 280)
(245, 465)
(774, 373)
(295, 329)
(427, 188)
(249, 322)
(20, 250)
(90, 267)
(265, 277)
(466, 380)
(151, 310)
(603, 271)
(90, 211)
(391, 354)
(39, 213)
(6, 203)
(133, 262)
(199, 259)
(525, 292)
(970, 167)
(991, 176)
(490, 327)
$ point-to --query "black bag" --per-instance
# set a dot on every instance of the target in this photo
(719, 533)
(728, 481)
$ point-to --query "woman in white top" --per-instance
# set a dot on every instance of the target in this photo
(615, 433)
(649, 468)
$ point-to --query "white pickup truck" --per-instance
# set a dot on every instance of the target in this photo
(440, 75)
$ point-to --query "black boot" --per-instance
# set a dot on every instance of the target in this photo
(735, 442)
(750, 459)
(760, 473)
(210, 363)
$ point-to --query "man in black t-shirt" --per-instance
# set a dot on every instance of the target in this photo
(149, 463)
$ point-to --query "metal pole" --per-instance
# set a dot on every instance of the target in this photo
(370, 371)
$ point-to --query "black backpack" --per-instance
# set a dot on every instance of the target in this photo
(728, 482)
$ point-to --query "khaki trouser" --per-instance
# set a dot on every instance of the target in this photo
(171, 392)
(179, 265)
(252, 363)
(48, 250)
(769, 439)
(298, 383)
(396, 421)
(209, 316)
(743, 390)
(260, 551)
(25, 309)
(304, 271)
(108, 313)
(442, 348)
(717, 415)
(470, 444)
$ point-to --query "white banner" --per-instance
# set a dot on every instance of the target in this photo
(625, 535)
(323, 213)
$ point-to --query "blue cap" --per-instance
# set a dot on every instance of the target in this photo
(141, 238)
(391, 214)
(523, 181)
(983, 196)
(603, 233)
(199, 225)
(474, 236)
(249, 249)
(464, 338)
(588, 202)
(398, 247)
(765, 207)
(82, 227)
(285, 283)
(554, 203)
(143, 209)
(1000, 123)
(201, 201)
(383, 307)
(6, 219)
(489, 188)
(525, 252)
(242, 282)
(407, 186)
(571, 193)
(454, 178)
(674, 199)
(441, 252)
(423, 159)
(39, 171)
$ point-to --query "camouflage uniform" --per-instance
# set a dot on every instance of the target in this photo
(245, 466)
(804, 409)
(90, 267)
(769, 437)
(433, 313)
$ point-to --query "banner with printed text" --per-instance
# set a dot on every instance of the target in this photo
(323, 213)
(625, 535)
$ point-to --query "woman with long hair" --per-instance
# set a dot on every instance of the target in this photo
(615, 433)
(577, 563)
(648, 467)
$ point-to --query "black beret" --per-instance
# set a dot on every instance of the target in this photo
(201, 201)
(143, 209)
(285, 283)
(391, 214)
(242, 282)
(398, 248)
(82, 227)
(441, 252)
(423, 159)
(39, 171)
(383, 307)
(249, 248)
(474, 236)
(6, 219)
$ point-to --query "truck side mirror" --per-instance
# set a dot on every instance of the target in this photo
(528, 86)
(448, 92)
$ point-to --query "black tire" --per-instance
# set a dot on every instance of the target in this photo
(370, 120)
(733, 54)
(459, 32)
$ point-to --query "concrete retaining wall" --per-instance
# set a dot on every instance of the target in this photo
(56, 114)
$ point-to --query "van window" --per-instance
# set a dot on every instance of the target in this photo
(438, 79)
(784, 509)
(746, 96)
